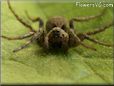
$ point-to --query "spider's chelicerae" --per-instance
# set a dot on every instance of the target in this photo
(59, 33)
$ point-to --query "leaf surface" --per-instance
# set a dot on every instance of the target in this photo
(78, 66)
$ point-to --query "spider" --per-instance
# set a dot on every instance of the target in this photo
(59, 33)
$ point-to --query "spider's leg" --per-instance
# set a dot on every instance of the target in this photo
(18, 37)
(101, 29)
(28, 43)
(87, 46)
(41, 33)
(98, 42)
(37, 19)
(19, 19)
(23, 46)
(86, 18)
(80, 42)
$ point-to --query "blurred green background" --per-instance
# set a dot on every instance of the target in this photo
(78, 66)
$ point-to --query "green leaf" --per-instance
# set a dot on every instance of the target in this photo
(78, 66)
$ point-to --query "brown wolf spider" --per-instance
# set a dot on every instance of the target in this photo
(59, 33)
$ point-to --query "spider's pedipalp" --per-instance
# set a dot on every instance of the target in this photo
(18, 37)
(57, 38)
(78, 40)
(98, 42)
(86, 18)
(19, 19)
(101, 29)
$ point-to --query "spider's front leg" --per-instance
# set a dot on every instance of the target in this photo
(19, 19)
(37, 19)
(86, 18)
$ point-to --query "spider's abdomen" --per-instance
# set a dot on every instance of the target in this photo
(57, 21)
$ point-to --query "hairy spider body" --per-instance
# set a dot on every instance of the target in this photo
(59, 33)
(56, 21)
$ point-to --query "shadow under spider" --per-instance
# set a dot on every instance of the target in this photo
(42, 52)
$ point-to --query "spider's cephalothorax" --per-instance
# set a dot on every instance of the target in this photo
(56, 21)
(59, 33)
(57, 36)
